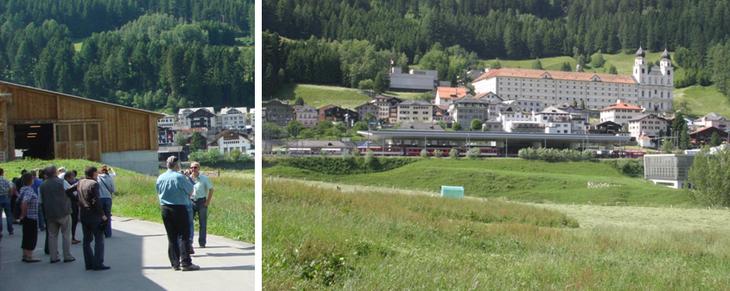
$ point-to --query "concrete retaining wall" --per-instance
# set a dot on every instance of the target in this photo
(144, 162)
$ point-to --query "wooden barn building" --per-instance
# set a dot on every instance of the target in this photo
(51, 125)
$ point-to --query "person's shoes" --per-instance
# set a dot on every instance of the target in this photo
(55, 261)
(176, 268)
(192, 251)
(102, 268)
(191, 267)
(75, 242)
(202, 246)
(69, 260)
(10, 233)
(30, 260)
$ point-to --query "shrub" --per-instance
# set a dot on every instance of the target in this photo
(454, 153)
(424, 153)
(215, 158)
(628, 167)
(345, 165)
(555, 155)
(438, 153)
(473, 153)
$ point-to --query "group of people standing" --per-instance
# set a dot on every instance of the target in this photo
(182, 195)
(55, 201)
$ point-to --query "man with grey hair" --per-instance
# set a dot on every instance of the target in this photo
(57, 210)
(174, 190)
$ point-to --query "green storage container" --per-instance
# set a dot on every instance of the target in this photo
(452, 192)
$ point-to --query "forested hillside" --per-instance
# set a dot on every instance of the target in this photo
(157, 55)
(407, 32)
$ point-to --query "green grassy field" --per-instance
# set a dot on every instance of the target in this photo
(231, 213)
(320, 95)
(702, 100)
(318, 237)
(514, 179)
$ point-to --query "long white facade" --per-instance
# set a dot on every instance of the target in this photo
(649, 87)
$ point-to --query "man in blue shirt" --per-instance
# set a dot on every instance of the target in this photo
(174, 190)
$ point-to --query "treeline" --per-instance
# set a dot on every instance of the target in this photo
(155, 62)
(84, 17)
(506, 29)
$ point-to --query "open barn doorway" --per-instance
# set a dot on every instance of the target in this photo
(35, 140)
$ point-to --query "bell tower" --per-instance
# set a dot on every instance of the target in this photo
(640, 67)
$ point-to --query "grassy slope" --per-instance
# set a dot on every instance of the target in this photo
(516, 179)
(702, 100)
(315, 238)
(231, 213)
(320, 95)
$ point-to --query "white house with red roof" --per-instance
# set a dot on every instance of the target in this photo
(621, 113)
(447, 95)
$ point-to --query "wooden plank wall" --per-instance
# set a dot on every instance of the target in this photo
(122, 129)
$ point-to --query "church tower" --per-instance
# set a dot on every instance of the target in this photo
(665, 64)
(640, 67)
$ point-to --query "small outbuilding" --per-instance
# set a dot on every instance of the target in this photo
(48, 125)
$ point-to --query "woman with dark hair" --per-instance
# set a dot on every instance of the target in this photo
(69, 183)
(29, 218)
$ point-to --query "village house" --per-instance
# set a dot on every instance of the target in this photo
(201, 118)
(387, 108)
(336, 113)
(712, 119)
(647, 126)
(230, 140)
(620, 113)
(233, 118)
(703, 135)
(367, 110)
(606, 127)
(307, 115)
(415, 111)
(277, 112)
(467, 109)
(446, 95)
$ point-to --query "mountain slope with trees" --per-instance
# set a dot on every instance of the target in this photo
(158, 55)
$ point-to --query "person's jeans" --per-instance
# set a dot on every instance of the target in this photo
(5, 205)
(62, 225)
(201, 210)
(176, 221)
(92, 232)
(106, 204)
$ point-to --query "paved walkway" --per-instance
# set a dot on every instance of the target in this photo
(137, 253)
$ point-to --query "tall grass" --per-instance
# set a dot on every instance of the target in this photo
(533, 181)
(318, 238)
(231, 212)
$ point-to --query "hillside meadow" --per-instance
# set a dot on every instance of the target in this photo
(231, 212)
(320, 237)
(511, 178)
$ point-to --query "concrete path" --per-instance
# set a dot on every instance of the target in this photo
(137, 255)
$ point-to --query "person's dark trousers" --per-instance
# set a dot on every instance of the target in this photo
(41, 217)
(106, 203)
(5, 206)
(74, 219)
(201, 211)
(90, 224)
(175, 219)
(30, 234)
(14, 206)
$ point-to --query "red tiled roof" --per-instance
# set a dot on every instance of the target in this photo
(451, 92)
(623, 106)
(558, 75)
